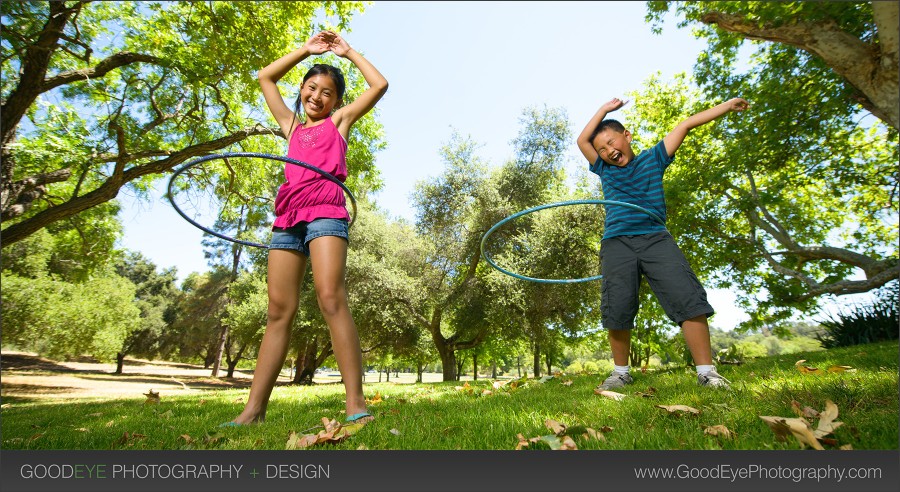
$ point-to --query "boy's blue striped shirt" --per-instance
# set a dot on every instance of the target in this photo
(639, 183)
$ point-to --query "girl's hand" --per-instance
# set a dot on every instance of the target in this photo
(738, 104)
(320, 43)
(613, 105)
(338, 45)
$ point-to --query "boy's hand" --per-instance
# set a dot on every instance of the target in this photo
(738, 104)
(613, 105)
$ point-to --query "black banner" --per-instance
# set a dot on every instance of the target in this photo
(469, 471)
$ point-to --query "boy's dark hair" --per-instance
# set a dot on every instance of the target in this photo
(607, 123)
(321, 69)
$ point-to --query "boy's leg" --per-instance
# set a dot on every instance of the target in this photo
(696, 336)
(683, 298)
(619, 304)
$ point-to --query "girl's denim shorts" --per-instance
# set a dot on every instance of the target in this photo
(298, 237)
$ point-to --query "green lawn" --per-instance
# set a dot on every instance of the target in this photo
(442, 416)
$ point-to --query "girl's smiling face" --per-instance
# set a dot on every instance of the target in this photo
(319, 96)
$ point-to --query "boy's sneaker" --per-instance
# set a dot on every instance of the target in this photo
(713, 379)
(615, 380)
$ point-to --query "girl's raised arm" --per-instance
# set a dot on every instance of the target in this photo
(272, 73)
(346, 116)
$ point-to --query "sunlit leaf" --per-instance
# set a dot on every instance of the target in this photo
(841, 369)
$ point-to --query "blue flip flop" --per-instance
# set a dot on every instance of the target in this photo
(356, 416)
(231, 424)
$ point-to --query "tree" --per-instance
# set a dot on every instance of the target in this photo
(155, 295)
(858, 42)
(100, 95)
(200, 309)
(59, 319)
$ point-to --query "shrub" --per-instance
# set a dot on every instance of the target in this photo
(866, 323)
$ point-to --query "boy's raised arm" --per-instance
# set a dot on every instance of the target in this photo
(675, 137)
(584, 139)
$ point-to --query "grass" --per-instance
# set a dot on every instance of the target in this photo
(439, 416)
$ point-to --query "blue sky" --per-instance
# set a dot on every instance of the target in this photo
(471, 67)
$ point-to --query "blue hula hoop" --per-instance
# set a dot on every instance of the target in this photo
(287, 160)
(514, 216)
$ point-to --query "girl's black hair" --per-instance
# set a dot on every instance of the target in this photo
(320, 69)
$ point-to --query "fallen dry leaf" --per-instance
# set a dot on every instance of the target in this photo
(591, 433)
(610, 394)
(152, 398)
(827, 424)
(797, 427)
(806, 412)
(806, 369)
(374, 400)
(555, 427)
(650, 393)
(719, 430)
(394, 432)
(678, 409)
(334, 432)
(841, 369)
(567, 382)
(567, 444)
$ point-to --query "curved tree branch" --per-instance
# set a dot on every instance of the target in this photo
(871, 69)
(110, 188)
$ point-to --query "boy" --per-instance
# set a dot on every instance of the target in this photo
(633, 244)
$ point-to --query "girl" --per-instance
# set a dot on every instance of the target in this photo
(311, 217)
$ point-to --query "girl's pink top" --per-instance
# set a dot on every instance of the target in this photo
(306, 195)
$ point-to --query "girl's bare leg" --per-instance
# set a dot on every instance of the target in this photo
(328, 255)
(286, 270)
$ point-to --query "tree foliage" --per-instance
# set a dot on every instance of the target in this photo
(854, 46)
(98, 96)
(59, 319)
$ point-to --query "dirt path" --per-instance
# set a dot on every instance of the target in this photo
(25, 376)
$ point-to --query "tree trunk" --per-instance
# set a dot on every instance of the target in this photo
(120, 362)
(420, 368)
(220, 349)
(459, 368)
(475, 367)
(387, 374)
(494, 370)
(306, 362)
(448, 363)
(549, 360)
(536, 362)
(232, 363)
